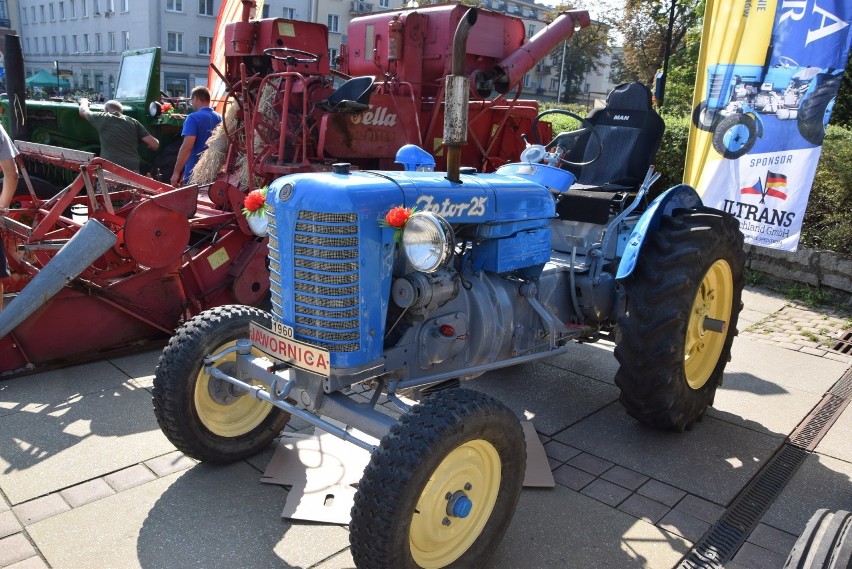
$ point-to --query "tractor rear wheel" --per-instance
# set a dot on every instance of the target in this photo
(704, 118)
(815, 110)
(735, 135)
(826, 542)
(683, 301)
(442, 487)
(207, 418)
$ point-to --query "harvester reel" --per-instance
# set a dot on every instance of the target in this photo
(569, 139)
(290, 55)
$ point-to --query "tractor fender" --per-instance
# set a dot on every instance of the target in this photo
(679, 197)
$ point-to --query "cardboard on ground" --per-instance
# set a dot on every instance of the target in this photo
(324, 471)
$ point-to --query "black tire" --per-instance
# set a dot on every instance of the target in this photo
(448, 445)
(43, 189)
(163, 164)
(825, 544)
(735, 135)
(704, 119)
(811, 117)
(670, 363)
(223, 427)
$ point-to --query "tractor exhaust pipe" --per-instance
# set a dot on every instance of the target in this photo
(92, 241)
(457, 89)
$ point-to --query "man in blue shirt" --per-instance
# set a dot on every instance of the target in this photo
(196, 131)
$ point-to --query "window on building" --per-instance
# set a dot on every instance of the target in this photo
(125, 41)
(62, 11)
(174, 5)
(554, 84)
(176, 87)
(527, 82)
(332, 56)
(72, 7)
(96, 7)
(205, 7)
(32, 11)
(99, 83)
(84, 9)
(27, 45)
(44, 45)
(111, 41)
(65, 44)
(205, 45)
(110, 6)
(41, 9)
(99, 44)
(52, 12)
(290, 13)
(384, 3)
(125, 5)
(85, 43)
(265, 12)
(55, 45)
(531, 31)
(174, 42)
(333, 23)
(24, 16)
(74, 45)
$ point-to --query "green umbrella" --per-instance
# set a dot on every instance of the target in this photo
(45, 79)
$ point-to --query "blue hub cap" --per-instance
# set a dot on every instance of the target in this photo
(736, 137)
(460, 505)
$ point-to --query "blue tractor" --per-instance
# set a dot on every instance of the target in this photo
(738, 96)
(391, 288)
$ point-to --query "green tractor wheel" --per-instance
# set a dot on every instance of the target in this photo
(207, 418)
(442, 487)
(683, 301)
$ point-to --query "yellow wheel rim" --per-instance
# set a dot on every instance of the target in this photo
(221, 408)
(472, 470)
(712, 305)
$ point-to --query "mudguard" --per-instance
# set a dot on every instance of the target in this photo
(681, 196)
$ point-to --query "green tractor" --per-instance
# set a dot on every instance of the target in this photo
(58, 122)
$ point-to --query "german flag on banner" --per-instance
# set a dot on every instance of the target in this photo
(767, 79)
(231, 11)
(776, 184)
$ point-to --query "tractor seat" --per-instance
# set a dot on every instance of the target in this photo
(351, 97)
(631, 132)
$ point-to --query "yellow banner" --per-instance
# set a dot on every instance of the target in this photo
(734, 31)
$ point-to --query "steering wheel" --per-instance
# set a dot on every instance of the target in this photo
(289, 55)
(569, 139)
(785, 61)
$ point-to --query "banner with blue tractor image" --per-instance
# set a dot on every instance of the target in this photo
(767, 80)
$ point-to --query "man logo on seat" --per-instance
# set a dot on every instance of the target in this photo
(621, 118)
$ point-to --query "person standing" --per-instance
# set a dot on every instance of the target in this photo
(196, 130)
(119, 134)
(8, 151)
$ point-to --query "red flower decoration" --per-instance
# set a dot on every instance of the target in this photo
(166, 107)
(397, 216)
(255, 203)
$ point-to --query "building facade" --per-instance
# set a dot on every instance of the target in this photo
(83, 39)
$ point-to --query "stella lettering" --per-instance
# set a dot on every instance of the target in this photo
(381, 116)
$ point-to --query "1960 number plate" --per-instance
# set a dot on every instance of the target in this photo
(280, 344)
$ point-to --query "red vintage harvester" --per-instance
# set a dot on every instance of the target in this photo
(148, 256)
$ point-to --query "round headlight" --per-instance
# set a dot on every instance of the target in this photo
(427, 241)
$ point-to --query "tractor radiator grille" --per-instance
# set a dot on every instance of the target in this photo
(715, 88)
(326, 280)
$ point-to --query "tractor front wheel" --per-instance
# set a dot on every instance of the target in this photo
(735, 135)
(207, 418)
(704, 118)
(683, 301)
(442, 487)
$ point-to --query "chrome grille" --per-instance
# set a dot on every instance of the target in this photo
(715, 86)
(322, 283)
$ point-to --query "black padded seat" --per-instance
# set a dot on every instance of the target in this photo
(351, 97)
(631, 132)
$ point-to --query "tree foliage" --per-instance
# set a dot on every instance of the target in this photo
(583, 53)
